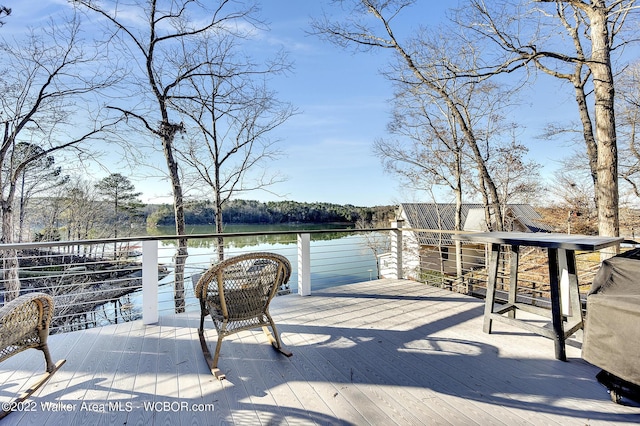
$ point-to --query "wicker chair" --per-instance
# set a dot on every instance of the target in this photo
(236, 294)
(24, 324)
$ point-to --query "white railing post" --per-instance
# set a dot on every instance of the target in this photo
(396, 247)
(304, 264)
(149, 282)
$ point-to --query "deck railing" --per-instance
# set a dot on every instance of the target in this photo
(96, 282)
(463, 270)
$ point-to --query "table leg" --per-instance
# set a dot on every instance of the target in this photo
(575, 320)
(492, 277)
(556, 305)
(513, 280)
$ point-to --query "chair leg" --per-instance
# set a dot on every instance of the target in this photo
(47, 358)
(43, 335)
(216, 372)
(274, 338)
(212, 362)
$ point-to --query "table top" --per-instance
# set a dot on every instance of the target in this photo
(542, 239)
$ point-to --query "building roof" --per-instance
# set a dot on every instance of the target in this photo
(442, 216)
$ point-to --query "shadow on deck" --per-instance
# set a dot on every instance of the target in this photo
(377, 352)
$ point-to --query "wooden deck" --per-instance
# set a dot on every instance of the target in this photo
(379, 352)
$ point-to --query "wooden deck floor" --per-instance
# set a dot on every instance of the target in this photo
(379, 352)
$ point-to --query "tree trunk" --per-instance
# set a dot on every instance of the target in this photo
(219, 222)
(168, 134)
(458, 222)
(9, 257)
(600, 65)
(492, 198)
(589, 138)
(21, 213)
(486, 203)
(219, 229)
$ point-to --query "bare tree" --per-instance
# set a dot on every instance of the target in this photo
(50, 215)
(532, 33)
(168, 30)
(429, 150)
(50, 76)
(39, 176)
(418, 67)
(80, 213)
(517, 178)
(572, 189)
(377, 242)
(232, 112)
(628, 113)
(4, 11)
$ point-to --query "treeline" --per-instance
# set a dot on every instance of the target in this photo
(274, 212)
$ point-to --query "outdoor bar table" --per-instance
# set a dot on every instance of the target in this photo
(562, 276)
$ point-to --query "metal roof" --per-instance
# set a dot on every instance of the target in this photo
(442, 216)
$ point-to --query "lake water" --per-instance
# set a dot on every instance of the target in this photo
(336, 258)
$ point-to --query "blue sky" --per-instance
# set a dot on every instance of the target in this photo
(344, 106)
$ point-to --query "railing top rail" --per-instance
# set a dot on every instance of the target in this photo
(44, 244)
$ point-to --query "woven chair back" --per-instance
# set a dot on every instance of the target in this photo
(241, 287)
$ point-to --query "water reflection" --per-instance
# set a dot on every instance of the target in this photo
(251, 240)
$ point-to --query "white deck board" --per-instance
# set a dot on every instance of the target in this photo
(378, 352)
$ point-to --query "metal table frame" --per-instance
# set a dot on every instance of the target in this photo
(561, 250)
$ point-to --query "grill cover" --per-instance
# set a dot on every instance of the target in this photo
(612, 328)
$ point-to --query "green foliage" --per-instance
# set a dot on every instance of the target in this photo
(47, 234)
(274, 212)
(162, 216)
(120, 192)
